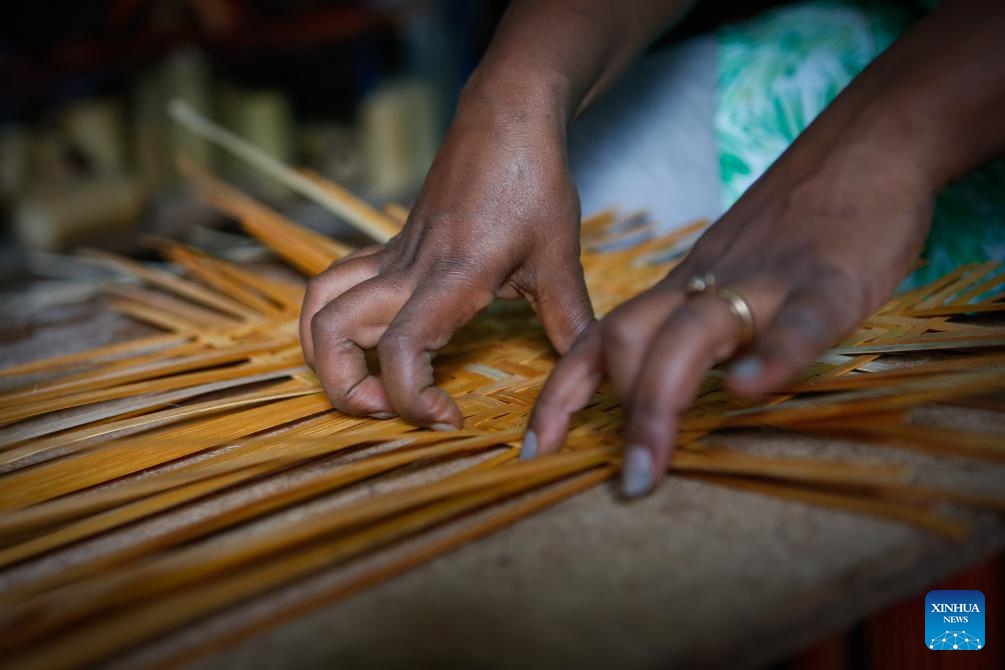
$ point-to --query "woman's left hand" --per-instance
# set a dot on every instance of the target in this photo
(819, 242)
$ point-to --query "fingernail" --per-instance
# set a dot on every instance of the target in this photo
(444, 427)
(529, 448)
(746, 368)
(637, 472)
(383, 415)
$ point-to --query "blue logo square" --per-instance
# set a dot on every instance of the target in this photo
(954, 620)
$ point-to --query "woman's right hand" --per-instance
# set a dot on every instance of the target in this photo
(498, 217)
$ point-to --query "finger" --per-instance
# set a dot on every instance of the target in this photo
(567, 390)
(362, 252)
(329, 285)
(563, 305)
(628, 331)
(810, 321)
(342, 331)
(700, 333)
(423, 326)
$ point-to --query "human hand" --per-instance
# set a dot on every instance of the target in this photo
(813, 248)
(498, 216)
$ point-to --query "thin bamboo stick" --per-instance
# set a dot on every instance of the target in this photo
(338, 201)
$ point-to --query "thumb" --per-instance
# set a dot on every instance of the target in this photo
(563, 305)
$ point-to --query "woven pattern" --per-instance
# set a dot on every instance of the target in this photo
(218, 442)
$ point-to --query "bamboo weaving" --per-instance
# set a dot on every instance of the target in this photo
(218, 437)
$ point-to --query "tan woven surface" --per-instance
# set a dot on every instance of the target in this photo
(203, 468)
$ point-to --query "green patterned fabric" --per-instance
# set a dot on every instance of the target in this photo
(779, 70)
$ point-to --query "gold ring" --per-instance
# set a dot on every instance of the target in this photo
(740, 308)
(705, 284)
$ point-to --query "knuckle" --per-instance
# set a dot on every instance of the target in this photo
(802, 321)
(619, 330)
(687, 319)
(324, 321)
(315, 286)
(350, 402)
(457, 269)
(394, 343)
(648, 422)
(800, 331)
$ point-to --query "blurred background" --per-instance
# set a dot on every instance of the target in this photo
(359, 91)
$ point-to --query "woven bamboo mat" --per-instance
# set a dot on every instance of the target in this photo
(213, 445)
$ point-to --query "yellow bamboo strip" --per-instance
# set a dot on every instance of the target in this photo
(256, 456)
(926, 439)
(152, 316)
(895, 347)
(366, 217)
(869, 401)
(396, 213)
(157, 419)
(194, 380)
(950, 529)
(171, 283)
(989, 282)
(211, 482)
(946, 310)
(727, 461)
(875, 379)
(115, 460)
(335, 199)
(306, 250)
(217, 276)
(94, 356)
(23, 403)
(225, 553)
(169, 306)
(114, 636)
(491, 522)
(969, 274)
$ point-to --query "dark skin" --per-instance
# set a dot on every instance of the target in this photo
(815, 246)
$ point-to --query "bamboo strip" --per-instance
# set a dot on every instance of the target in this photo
(926, 439)
(109, 462)
(361, 214)
(494, 368)
(950, 529)
(94, 356)
(223, 278)
(894, 347)
(869, 401)
(171, 283)
(948, 310)
(198, 563)
(191, 381)
(713, 460)
(115, 636)
(396, 213)
(968, 275)
(493, 521)
(336, 200)
(146, 421)
(257, 456)
(165, 309)
(304, 249)
(844, 382)
(211, 482)
(189, 356)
